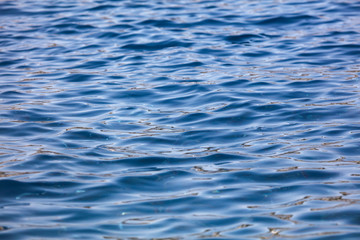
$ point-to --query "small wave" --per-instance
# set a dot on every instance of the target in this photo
(243, 38)
(286, 20)
(154, 46)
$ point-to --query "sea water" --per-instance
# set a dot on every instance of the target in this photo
(187, 119)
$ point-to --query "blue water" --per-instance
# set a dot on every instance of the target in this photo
(187, 119)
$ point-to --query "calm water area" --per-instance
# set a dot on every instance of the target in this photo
(186, 119)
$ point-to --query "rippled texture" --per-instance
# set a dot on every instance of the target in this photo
(187, 119)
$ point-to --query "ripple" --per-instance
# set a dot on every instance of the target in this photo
(154, 46)
(243, 38)
(284, 20)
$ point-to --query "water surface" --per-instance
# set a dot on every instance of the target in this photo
(187, 119)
